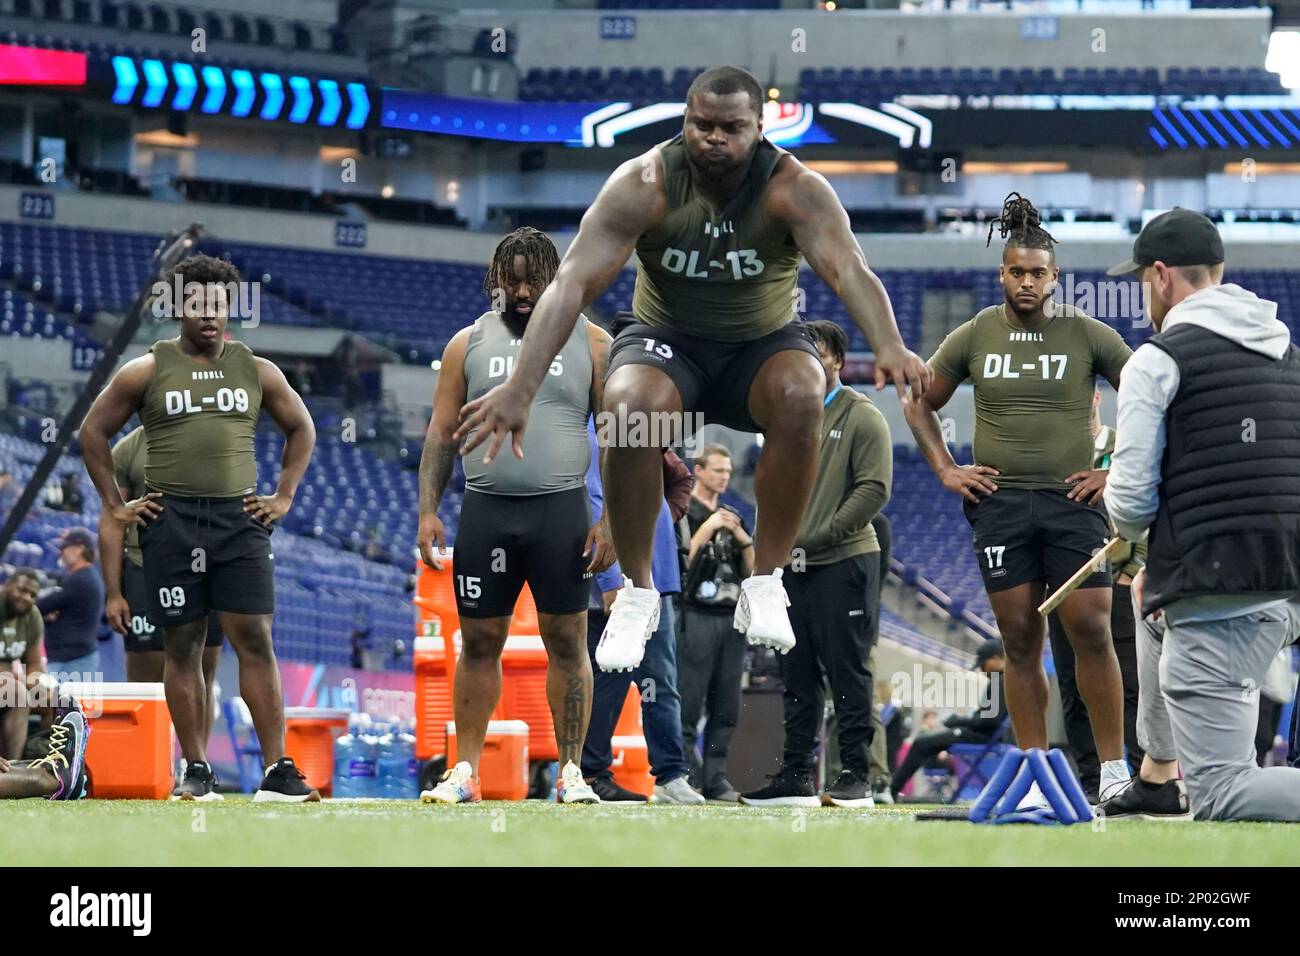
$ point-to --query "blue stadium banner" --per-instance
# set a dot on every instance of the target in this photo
(1039, 28)
(352, 234)
(36, 206)
(617, 28)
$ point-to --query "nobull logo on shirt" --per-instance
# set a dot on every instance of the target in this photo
(76, 909)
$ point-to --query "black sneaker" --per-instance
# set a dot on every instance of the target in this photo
(1149, 801)
(199, 784)
(789, 788)
(849, 790)
(67, 756)
(610, 792)
(285, 783)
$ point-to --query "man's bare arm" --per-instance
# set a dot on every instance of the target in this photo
(821, 230)
(631, 200)
(111, 543)
(923, 419)
(439, 456)
(287, 410)
(112, 409)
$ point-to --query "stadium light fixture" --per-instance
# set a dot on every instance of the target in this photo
(245, 92)
(331, 102)
(302, 99)
(127, 79)
(274, 101)
(1283, 57)
(215, 81)
(155, 80)
(360, 106)
(186, 86)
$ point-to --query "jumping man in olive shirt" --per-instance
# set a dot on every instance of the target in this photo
(1032, 495)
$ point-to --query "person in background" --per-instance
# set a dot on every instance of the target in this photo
(21, 629)
(979, 727)
(1223, 568)
(656, 676)
(73, 609)
(1126, 564)
(9, 491)
(879, 754)
(72, 499)
(833, 582)
(719, 555)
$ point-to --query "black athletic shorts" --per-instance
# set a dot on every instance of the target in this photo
(143, 634)
(507, 540)
(1026, 535)
(206, 554)
(712, 377)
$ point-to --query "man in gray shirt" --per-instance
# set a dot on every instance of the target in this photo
(1206, 457)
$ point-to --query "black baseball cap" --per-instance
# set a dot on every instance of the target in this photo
(987, 651)
(1179, 237)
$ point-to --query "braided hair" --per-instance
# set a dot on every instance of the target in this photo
(541, 260)
(1021, 225)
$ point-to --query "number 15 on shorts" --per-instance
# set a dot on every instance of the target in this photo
(994, 555)
(469, 587)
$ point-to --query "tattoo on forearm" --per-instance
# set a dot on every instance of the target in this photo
(435, 472)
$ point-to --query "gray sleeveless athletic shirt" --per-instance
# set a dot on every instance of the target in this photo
(556, 453)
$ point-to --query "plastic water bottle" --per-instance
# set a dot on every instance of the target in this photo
(368, 753)
(398, 769)
(409, 788)
(354, 764)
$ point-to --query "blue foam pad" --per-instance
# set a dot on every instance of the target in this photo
(1036, 760)
(1010, 801)
(997, 785)
(1070, 784)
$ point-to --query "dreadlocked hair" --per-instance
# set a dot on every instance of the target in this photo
(541, 260)
(1021, 225)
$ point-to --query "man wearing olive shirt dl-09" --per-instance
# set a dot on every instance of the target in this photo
(206, 534)
(1032, 496)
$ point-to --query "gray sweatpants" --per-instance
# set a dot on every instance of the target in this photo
(1204, 710)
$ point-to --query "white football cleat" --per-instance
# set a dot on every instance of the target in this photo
(572, 788)
(632, 619)
(761, 614)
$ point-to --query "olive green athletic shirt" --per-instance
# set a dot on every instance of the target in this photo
(1033, 390)
(855, 473)
(128, 470)
(18, 632)
(729, 276)
(199, 420)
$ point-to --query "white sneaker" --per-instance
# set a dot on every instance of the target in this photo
(572, 788)
(632, 619)
(458, 785)
(1034, 800)
(761, 614)
(677, 791)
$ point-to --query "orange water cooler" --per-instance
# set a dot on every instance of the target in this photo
(309, 735)
(131, 739)
(503, 769)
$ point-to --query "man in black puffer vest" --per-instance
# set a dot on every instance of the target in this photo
(1208, 458)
